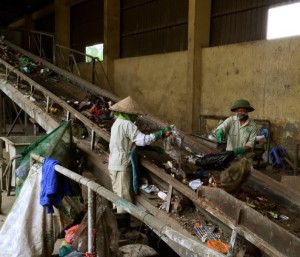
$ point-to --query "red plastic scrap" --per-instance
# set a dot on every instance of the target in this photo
(96, 110)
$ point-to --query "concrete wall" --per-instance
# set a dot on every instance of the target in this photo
(266, 73)
(158, 82)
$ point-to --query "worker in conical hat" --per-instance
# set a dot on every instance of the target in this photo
(239, 130)
(124, 136)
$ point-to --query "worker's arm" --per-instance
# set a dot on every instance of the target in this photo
(220, 135)
(142, 139)
(222, 130)
(242, 149)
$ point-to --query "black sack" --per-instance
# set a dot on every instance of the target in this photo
(216, 160)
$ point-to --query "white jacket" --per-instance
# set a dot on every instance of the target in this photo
(123, 134)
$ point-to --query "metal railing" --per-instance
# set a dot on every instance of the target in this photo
(162, 228)
(36, 40)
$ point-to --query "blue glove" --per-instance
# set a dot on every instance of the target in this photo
(220, 136)
(160, 133)
(239, 150)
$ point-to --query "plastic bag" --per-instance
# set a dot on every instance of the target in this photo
(70, 234)
(28, 230)
(58, 144)
(216, 160)
(106, 232)
(234, 176)
(172, 145)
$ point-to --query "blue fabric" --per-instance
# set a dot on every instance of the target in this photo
(276, 156)
(54, 186)
(134, 163)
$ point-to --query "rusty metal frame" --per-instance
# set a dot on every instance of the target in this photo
(248, 228)
(163, 229)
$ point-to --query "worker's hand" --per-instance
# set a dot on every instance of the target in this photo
(162, 132)
(238, 150)
(220, 136)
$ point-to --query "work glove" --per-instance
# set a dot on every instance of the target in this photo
(238, 150)
(220, 136)
(161, 133)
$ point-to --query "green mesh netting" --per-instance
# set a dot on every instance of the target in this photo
(58, 144)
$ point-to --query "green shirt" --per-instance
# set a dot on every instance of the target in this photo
(238, 135)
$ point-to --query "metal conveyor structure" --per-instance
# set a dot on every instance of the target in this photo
(228, 211)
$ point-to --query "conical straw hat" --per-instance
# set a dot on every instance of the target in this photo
(127, 105)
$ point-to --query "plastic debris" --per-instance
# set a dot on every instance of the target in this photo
(273, 214)
(162, 195)
(283, 217)
(32, 99)
(195, 184)
(172, 145)
(218, 246)
(150, 189)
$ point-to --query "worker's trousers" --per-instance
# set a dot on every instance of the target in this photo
(121, 185)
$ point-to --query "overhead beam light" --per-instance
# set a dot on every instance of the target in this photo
(283, 21)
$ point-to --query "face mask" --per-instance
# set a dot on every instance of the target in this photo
(242, 116)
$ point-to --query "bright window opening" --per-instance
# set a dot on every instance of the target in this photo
(95, 51)
(283, 21)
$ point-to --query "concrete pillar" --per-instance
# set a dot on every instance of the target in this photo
(111, 37)
(62, 28)
(198, 37)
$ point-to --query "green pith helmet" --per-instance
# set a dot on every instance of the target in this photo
(242, 103)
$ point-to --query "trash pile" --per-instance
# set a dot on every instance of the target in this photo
(270, 209)
(24, 63)
(93, 107)
(75, 242)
